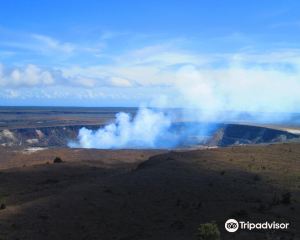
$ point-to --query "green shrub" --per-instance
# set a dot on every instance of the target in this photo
(208, 231)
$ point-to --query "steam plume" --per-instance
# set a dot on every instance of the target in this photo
(263, 95)
(148, 129)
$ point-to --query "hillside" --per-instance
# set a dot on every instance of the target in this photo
(138, 194)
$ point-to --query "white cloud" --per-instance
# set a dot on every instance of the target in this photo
(120, 82)
(30, 75)
(155, 66)
(53, 44)
(14, 43)
(12, 94)
(238, 88)
(84, 81)
(237, 81)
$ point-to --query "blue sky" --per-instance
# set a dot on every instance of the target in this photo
(127, 53)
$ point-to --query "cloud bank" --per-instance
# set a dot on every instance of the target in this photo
(237, 82)
(244, 81)
(30, 75)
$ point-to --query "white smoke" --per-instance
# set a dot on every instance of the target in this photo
(148, 129)
(238, 88)
(225, 94)
(266, 95)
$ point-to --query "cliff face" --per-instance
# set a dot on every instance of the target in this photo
(244, 134)
(40, 137)
(223, 135)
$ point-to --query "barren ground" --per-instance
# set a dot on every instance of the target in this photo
(143, 194)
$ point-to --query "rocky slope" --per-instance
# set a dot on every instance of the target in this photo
(40, 137)
(233, 134)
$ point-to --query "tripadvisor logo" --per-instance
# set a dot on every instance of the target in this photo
(232, 225)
